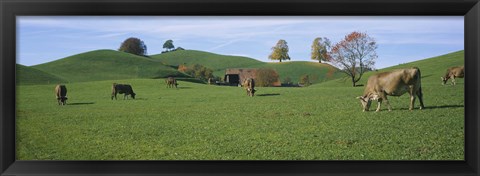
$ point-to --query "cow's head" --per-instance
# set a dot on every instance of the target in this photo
(444, 80)
(133, 95)
(62, 100)
(366, 102)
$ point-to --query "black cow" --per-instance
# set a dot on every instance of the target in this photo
(122, 89)
(61, 94)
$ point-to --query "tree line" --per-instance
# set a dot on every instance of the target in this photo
(354, 55)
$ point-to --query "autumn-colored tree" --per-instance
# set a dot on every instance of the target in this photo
(320, 47)
(266, 77)
(134, 45)
(354, 55)
(168, 45)
(182, 68)
(200, 72)
(305, 80)
(280, 51)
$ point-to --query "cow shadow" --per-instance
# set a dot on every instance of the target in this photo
(264, 95)
(444, 106)
(433, 107)
(426, 76)
(83, 103)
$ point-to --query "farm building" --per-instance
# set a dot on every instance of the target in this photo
(234, 76)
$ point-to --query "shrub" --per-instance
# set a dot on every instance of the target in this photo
(266, 77)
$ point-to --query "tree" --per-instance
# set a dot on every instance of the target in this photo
(320, 47)
(280, 51)
(354, 55)
(305, 80)
(266, 77)
(134, 45)
(199, 71)
(168, 45)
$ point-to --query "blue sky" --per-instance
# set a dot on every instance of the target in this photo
(400, 39)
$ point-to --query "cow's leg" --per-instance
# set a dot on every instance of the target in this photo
(420, 97)
(412, 102)
(453, 80)
(379, 104)
(383, 96)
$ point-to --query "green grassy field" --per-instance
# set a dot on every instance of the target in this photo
(206, 122)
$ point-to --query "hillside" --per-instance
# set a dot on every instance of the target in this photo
(209, 60)
(106, 65)
(292, 69)
(431, 69)
(27, 75)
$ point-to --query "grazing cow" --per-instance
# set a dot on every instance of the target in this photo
(249, 85)
(61, 94)
(122, 89)
(452, 73)
(171, 81)
(393, 83)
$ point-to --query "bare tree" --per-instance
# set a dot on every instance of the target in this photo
(354, 55)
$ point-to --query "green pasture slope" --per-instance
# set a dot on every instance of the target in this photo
(292, 69)
(28, 75)
(431, 70)
(207, 122)
(106, 65)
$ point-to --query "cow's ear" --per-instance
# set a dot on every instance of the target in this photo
(360, 97)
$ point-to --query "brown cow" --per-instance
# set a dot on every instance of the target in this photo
(171, 81)
(122, 89)
(249, 85)
(61, 94)
(452, 73)
(393, 83)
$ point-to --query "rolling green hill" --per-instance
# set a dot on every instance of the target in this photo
(209, 60)
(431, 69)
(293, 69)
(27, 75)
(106, 65)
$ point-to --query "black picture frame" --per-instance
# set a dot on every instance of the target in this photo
(9, 9)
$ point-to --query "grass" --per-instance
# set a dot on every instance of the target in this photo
(293, 69)
(30, 76)
(204, 122)
(209, 60)
(106, 65)
(431, 70)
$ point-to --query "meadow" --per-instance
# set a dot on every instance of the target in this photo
(207, 122)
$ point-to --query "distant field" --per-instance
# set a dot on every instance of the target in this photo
(206, 122)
